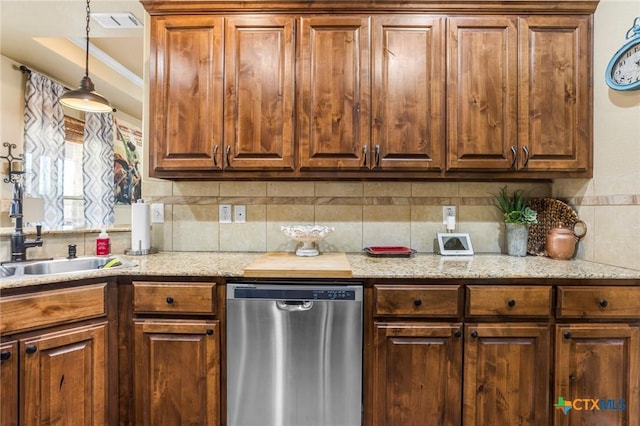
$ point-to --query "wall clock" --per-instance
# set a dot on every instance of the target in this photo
(623, 71)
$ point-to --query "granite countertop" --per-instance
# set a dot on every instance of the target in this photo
(479, 266)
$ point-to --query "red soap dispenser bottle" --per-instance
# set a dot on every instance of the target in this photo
(103, 244)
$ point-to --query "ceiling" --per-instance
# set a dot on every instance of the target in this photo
(39, 34)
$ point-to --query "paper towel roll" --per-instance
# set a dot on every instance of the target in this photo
(140, 226)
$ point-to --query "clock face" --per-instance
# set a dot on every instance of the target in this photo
(626, 68)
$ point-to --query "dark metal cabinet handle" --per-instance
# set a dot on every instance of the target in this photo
(377, 155)
(474, 334)
(514, 157)
(215, 155)
(209, 332)
(457, 333)
(227, 153)
(170, 300)
(417, 302)
(526, 156)
(364, 156)
(604, 303)
(567, 335)
(5, 355)
(511, 303)
(31, 349)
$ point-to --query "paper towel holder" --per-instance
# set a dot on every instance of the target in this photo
(138, 251)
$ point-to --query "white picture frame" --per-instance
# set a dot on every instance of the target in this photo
(455, 244)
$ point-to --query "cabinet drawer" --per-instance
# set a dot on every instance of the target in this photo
(599, 302)
(512, 301)
(420, 301)
(178, 297)
(46, 308)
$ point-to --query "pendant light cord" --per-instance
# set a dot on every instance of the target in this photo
(86, 62)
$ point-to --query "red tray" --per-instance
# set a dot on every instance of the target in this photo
(389, 251)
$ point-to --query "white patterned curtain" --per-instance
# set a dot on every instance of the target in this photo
(44, 136)
(97, 170)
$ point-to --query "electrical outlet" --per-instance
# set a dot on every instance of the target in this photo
(448, 211)
(225, 213)
(157, 212)
(240, 214)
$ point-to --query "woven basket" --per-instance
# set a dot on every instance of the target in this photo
(551, 213)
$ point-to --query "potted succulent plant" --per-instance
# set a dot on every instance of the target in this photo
(518, 216)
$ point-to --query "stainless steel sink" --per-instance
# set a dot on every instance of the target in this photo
(7, 271)
(63, 266)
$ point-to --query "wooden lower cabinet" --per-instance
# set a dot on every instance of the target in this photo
(9, 383)
(597, 375)
(177, 372)
(63, 377)
(506, 374)
(417, 369)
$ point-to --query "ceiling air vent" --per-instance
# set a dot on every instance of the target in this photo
(117, 20)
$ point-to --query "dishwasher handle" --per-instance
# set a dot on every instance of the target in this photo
(294, 305)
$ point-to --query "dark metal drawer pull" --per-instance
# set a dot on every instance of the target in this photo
(169, 300)
(511, 303)
(604, 303)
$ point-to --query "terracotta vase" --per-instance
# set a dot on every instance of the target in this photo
(516, 238)
(560, 243)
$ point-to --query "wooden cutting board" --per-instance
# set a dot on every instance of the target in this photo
(288, 265)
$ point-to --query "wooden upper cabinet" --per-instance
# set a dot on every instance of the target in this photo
(542, 61)
(482, 92)
(259, 93)
(554, 92)
(333, 107)
(408, 92)
(186, 64)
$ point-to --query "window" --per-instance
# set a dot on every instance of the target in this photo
(73, 177)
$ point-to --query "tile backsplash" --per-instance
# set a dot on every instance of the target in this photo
(363, 213)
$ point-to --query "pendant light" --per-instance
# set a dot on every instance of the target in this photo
(85, 98)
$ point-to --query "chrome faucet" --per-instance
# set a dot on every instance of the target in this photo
(19, 243)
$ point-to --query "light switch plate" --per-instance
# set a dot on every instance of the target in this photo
(157, 212)
(225, 213)
(240, 214)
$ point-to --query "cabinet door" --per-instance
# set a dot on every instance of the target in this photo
(597, 362)
(555, 93)
(259, 94)
(417, 369)
(9, 383)
(481, 93)
(177, 372)
(63, 377)
(186, 92)
(408, 92)
(506, 374)
(334, 92)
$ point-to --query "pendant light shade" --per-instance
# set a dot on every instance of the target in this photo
(85, 97)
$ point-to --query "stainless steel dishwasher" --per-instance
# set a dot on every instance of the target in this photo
(294, 354)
